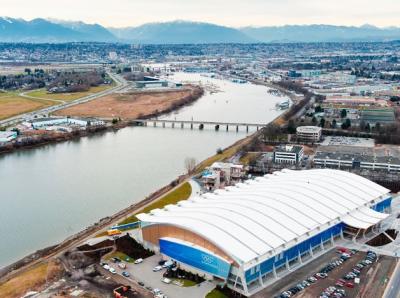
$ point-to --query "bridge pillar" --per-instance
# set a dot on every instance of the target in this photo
(181, 124)
(257, 128)
(145, 123)
(191, 125)
(173, 124)
(163, 124)
(237, 128)
(217, 127)
(227, 127)
(247, 128)
(154, 124)
(201, 126)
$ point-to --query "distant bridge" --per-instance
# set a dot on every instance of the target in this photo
(198, 124)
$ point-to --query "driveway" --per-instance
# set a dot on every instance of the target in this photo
(144, 272)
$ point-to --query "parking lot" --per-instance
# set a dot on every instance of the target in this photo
(143, 272)
(372, 278)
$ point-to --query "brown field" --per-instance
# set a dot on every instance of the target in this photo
(132, 105)
(12, 105)
(30, 280)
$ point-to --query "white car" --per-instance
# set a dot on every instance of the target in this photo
(112, 270)
(138, 261)
(167, 264)
(157, 291)
(166, 280)
(106, 267)
(121, 265)
(157, 268)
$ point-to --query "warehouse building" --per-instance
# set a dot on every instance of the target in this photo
(346, 160)
(248, 235)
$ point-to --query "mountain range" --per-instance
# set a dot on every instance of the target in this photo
(181, 32)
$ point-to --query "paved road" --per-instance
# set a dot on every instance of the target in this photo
(393, 288)
(121, 84)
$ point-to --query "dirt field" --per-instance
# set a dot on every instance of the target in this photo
(373, 278)
(132, 105)
(12, 105)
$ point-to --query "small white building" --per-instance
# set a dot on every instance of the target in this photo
(309, 134)
(83, 122)
(221, 174)
(288, 154)
(7, 136)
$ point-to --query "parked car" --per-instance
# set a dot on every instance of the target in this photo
(122, 265)
(157, 268)
(141, 283)
(112, 270)
(166, 280)
(167, 264)
(126, 274)
(138, 261)
(116, 260)
(106, 266)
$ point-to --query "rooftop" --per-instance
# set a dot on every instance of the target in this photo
(256, 219)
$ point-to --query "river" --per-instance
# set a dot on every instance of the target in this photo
(51, 192)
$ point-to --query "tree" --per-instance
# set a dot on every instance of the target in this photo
(333, 123)
(368, 127)
(318, 109)
(346, 124)
(291, 127)
(190, 164)
(314, 120)
(343, 113)
(322, 122)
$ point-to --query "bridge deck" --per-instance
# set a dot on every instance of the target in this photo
(200, 122)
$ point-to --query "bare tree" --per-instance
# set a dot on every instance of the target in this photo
(190, 164)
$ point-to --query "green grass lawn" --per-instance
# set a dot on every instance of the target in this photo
(186, 282)
(216, 294)
(42, 93)
(182, 192)
(121, 256)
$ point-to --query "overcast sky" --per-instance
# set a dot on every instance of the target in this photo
(236, 13)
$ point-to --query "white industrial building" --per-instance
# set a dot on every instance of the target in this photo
(309, 134)
(288, 154)
(248, 235)
(7, 136)
(44, 122)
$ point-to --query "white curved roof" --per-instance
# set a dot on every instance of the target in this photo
(252, 219)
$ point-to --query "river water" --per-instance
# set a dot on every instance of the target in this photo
(51, 192)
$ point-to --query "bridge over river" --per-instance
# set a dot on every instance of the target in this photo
(197, 124)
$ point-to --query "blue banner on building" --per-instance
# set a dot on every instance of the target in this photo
(196, 258)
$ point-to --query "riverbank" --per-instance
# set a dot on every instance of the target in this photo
(162, 103)
(33, 259)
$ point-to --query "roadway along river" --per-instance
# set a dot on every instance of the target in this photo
(54, 191)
